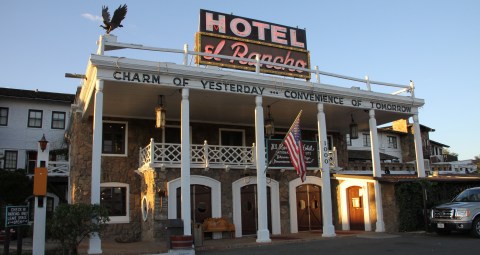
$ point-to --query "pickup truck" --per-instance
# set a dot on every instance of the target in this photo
(461, 214)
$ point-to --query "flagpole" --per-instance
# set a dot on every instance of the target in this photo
(281, 144)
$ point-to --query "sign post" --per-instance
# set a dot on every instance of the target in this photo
(16, 216)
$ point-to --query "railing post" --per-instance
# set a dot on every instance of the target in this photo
(205, 151)
(152, 151)
(185, 54)
(367, 82)
(257, 64)
(254, 160)
(317, 74)
(412, 88)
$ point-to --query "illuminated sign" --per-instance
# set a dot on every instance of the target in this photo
(225, 34)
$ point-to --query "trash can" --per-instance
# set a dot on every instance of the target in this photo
(174, 227)
(198, 234)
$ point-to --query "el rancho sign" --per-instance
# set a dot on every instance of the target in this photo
(225, 34)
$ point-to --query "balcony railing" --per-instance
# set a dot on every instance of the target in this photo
(58, 168)
(163, 155)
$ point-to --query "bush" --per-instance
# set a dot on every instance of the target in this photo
(71, 223)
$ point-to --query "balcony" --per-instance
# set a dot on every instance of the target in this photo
(167, 155)
(58, 168)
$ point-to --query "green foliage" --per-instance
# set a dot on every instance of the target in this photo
(71, 223)
(15, 187)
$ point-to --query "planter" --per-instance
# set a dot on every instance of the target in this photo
(181, 242)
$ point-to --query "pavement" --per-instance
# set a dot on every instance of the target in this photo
(111, 247)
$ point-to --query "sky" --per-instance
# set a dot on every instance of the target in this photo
(435, 43)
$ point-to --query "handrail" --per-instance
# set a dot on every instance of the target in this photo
(117, 45)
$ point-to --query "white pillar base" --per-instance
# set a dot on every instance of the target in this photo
(380, 226)
(328, 231)
(95, 246)
(263, 236)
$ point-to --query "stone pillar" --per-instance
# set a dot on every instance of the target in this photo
(328, 228)
(263, 235)
(377, 171)
(185, 164)
(95, 244)
(418, 146)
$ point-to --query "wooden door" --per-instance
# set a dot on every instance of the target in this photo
(355, 208)
(309, 207)
(200, 203)
(249, 209)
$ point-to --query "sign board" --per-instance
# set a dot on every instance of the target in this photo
(282, 159)
(40, 181)
(16, 216)
(229, 35)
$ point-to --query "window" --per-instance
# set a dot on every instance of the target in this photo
(35, 118)
(366, 140)
(115, 196)
(114, 138)
(3, 116)
(58, 120)
(392, 142)
(232, 137)
(349, 141)
(11, 160)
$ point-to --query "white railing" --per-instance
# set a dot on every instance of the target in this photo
(204, 156)
(113, 45)
(58, 168)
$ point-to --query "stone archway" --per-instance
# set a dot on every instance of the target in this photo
(292, 191)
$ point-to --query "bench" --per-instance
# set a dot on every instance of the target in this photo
(218, 225)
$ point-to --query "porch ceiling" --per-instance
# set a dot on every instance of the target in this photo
(134, 100)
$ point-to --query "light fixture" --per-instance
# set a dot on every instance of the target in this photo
(43, 143)
(160, 113)
(353, 129)
(269, 125)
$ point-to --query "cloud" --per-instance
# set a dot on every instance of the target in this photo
(92, 17)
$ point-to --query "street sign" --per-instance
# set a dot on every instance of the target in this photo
(16, 216)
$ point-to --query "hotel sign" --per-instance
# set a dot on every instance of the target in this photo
(225, 34)
(282, 159)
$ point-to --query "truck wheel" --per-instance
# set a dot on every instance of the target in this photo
(476, 227)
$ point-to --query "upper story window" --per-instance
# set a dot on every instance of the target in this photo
(349, 141)
(3, 116)
(58, 120)
(232, 137)
(392, 142)
(35, 118)
(11, 160)
(114, 140)
(366, 139)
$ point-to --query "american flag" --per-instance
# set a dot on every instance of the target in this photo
(293, 142)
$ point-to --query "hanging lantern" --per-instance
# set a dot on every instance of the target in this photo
(160, 113)
(43, 143)
(353, 129)
(269, 125)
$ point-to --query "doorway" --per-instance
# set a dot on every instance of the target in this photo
(249, 209)
(355, 208)
(309, 207)
(200, 203)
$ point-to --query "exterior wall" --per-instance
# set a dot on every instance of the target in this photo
(19, 137)
(390, 208)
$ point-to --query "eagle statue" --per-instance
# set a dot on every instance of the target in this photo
(117, 18)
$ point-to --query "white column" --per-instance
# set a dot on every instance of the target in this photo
(418, 146)
(185, 164)
(377, 171)
(40, 212)
(328, 228)
(95, 244)
(263, 235)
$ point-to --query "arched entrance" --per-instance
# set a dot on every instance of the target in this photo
(200, 203)
(249, 209)
(309, 207)
(355, 208)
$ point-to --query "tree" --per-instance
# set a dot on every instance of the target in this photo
(71, 223)
(15, 187)
(476, 161)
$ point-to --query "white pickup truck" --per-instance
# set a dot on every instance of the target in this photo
(462, 214)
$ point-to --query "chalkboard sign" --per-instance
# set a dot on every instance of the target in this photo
(282, 159)
(16, 216)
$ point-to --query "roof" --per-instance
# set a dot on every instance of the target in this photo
(367, 155)
(412, 177)
(35, 94)
(439, 144)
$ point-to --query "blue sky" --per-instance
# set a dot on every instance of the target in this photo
(435, 43)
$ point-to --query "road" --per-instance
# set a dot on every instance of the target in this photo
(403, 243)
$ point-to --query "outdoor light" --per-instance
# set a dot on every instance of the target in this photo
(353, 129)
(269, 125)
(43, 143)
(160, 113)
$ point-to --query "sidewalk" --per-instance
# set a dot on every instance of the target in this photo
(111, 247)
